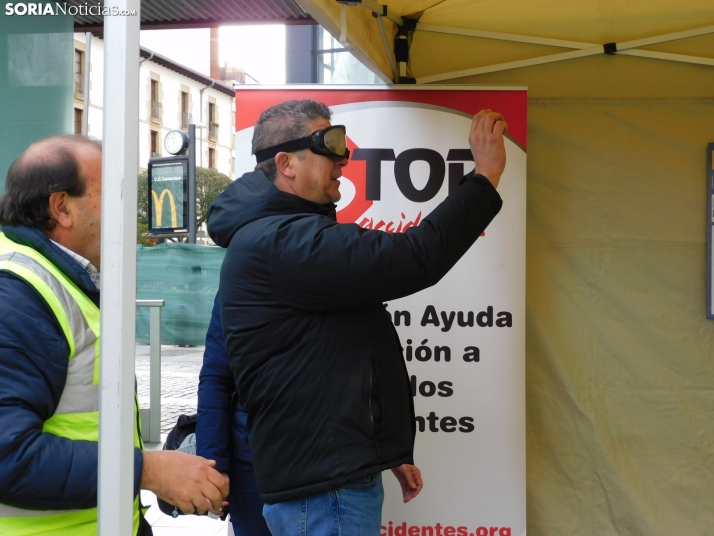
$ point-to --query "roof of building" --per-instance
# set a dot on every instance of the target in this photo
(158, 14)
(186, 71)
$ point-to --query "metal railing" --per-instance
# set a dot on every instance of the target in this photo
(157, 110)
(151, 417)
(212, 130)
(78, 84)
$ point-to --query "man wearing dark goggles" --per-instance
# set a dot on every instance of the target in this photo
(310, 174)
(330, 141)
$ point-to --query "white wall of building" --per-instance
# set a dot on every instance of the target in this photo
(170, 85)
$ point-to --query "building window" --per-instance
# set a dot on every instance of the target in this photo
(155, 144)
(211, 158)
(335, 65)
(212, 123)
(78, 73)
(78, 115)
(185, 115)
(156, 109)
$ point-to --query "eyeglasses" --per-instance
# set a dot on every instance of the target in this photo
(330, 141)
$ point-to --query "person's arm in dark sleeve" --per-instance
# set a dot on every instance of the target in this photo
(354, 267)
(348, 266)
(215, 389)
(38, 470)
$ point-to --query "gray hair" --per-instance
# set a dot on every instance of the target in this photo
(285, 122)
(46, 167)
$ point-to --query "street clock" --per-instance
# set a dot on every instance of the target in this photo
(176, 142)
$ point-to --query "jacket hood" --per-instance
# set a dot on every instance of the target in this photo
(251, 197)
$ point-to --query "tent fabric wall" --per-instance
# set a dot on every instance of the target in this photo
(620, 380)
(619, 371)
(620, 355)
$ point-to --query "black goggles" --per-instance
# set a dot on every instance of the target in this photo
(330, 141)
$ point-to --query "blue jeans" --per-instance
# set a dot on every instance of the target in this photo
(352, 510)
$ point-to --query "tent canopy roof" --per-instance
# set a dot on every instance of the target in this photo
(456, 39)
(595, 21)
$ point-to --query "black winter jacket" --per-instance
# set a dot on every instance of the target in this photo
(314, 354)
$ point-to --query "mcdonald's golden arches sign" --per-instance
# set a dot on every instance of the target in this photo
(168, 195)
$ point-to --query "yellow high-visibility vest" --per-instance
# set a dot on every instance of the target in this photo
(77, 414)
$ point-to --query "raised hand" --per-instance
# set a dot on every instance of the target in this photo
(487, 145)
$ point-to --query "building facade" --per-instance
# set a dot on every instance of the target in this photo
(171, 96)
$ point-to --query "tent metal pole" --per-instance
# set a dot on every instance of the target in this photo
(343, 28)
(503, 36)
(562, 43)
(664, 38)
(379, 11)
(511, 65)
(118, 267)
(583, 50)
(562, 57)
(390, 53)
(668, 57)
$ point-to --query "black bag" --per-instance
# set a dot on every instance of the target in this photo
(185, 426)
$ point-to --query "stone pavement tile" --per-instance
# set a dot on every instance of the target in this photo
(180, 368)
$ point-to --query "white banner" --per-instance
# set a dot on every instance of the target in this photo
(464, 338)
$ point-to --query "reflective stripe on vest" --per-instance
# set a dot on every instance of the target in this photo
(76, 416)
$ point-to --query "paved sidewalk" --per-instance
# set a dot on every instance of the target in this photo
(179, 381)
(179, 387)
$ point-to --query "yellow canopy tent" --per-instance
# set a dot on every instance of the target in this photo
(620, 356)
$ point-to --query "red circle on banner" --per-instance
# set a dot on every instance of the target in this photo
(356, 172)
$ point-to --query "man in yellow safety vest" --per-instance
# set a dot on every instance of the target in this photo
(49, 355)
